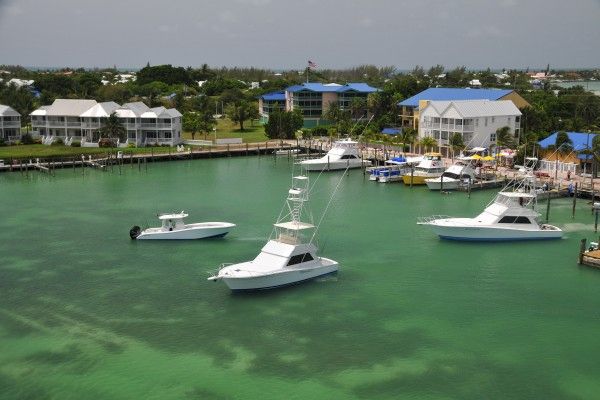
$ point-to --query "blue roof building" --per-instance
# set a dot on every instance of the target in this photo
(269, 102)
(581, 141)
(314, 99)
(410, 107)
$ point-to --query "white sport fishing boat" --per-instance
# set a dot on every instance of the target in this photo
(289, 257)
(343, 155)
(173, 227)
(510, 216)
(460, 171)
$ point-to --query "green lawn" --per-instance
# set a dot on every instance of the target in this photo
(227, 129)
(43, 151)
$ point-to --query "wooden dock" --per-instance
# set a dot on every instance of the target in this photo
(589, 256)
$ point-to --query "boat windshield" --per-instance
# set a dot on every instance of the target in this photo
(450, 175)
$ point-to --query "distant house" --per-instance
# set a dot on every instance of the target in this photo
(81, 120)
(476, 120)
(20, 82)
(409, 108)
(10, 124)
(314, 99)
(581, 141)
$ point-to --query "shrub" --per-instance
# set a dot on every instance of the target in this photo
(37, 141)
(16, 143)
(131, 145)
(75, 143)
(107, 142)
(319, 131)
(2, 142)
(26, 139)
(58, 142)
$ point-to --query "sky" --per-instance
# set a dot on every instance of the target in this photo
(283, 34)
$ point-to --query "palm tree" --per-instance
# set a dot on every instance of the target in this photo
(428, 142)
(113, 129)
(456, 143)
(407, 136)
(504, 138)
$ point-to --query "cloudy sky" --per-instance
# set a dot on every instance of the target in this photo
(286, 33)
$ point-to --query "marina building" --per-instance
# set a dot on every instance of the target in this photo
(476, 120)
(81, 120)
(314, 100)
(269, 102)
(409, 108)
(10, 124)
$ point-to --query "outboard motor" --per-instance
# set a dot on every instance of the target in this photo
(135, 232)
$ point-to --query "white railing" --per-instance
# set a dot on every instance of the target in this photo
(10, 124)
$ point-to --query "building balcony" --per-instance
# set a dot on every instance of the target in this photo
(56, 124)
(10, 124)
(90, 124)
(74, 124)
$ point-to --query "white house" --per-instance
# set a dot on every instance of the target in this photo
(476, 120)
(10, 124)
(81, 120)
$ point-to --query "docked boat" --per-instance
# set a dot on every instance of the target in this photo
(344, 154)
(173, 227)
(431, 166)
(289, 257)
(510, 216)
(286, 152)
(393, 170)
(460, 172)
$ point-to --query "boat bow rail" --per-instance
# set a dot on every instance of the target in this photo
(430, 219)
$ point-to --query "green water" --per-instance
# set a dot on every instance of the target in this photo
(86, 313)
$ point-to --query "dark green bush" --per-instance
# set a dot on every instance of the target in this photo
(58, 142)
(26, 139)
(75, 143)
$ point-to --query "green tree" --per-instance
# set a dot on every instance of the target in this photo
(407, 137)
(239, 112)
(456, 143)
(504, 138)
(283, 124)
(563, 143)
(428, 143)
(113, 129)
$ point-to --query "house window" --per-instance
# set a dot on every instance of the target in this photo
(486, 121)
(492, 137)
(476, 121)
(508, 120)
(493, 119)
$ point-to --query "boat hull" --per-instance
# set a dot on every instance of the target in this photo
(310, 165)
(200, 232)
(436, 184)
(279, 279)
(492, 234)
(416, 179)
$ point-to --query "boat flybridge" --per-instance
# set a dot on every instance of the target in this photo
(460, 171)
(510, 216)
(431, 166)
(173, 227)
(289, 257)
(343, 155)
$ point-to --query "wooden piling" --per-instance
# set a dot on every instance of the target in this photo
(581, 250)
(412, 174)
(574, 201)
(548, 208)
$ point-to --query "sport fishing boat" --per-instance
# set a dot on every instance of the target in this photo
(510, 216)
(344, 154)
(289, 257)
(461, 171)
(173, 227)
(432, 166)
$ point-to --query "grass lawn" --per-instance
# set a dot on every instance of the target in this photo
(227, 129)
(43, 151)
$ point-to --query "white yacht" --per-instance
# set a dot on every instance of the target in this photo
(431, 166)
(510, 216)
(461, 171)
(344, 154)
(173, 227)
(289, 257)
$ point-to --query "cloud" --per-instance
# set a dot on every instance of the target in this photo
(366, 22)
(255, 3)
(228, 16)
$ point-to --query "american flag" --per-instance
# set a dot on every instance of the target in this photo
(311, 64)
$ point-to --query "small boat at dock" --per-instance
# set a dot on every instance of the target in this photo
(432, 166)
(462, 171)
(285, 152)
(173, 227)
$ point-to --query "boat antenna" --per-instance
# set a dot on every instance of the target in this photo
(328, 204)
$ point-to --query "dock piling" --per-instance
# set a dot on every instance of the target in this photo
(581, 250)
(574, 201)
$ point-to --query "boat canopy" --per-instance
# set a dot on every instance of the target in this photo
(294, 225)
(172, 216)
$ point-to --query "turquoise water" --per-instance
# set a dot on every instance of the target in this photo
(87, 313)
(592, 86)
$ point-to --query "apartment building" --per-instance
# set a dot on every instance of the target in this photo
(476, 120)
(10, 124)
(81, 120)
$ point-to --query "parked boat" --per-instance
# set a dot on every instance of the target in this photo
(173, 227)
(510, 216)
(460, 172)
(432, 166)
(344, 154)
(285, 152)
(289, 257)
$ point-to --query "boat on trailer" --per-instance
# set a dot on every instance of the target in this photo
(289, 257)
